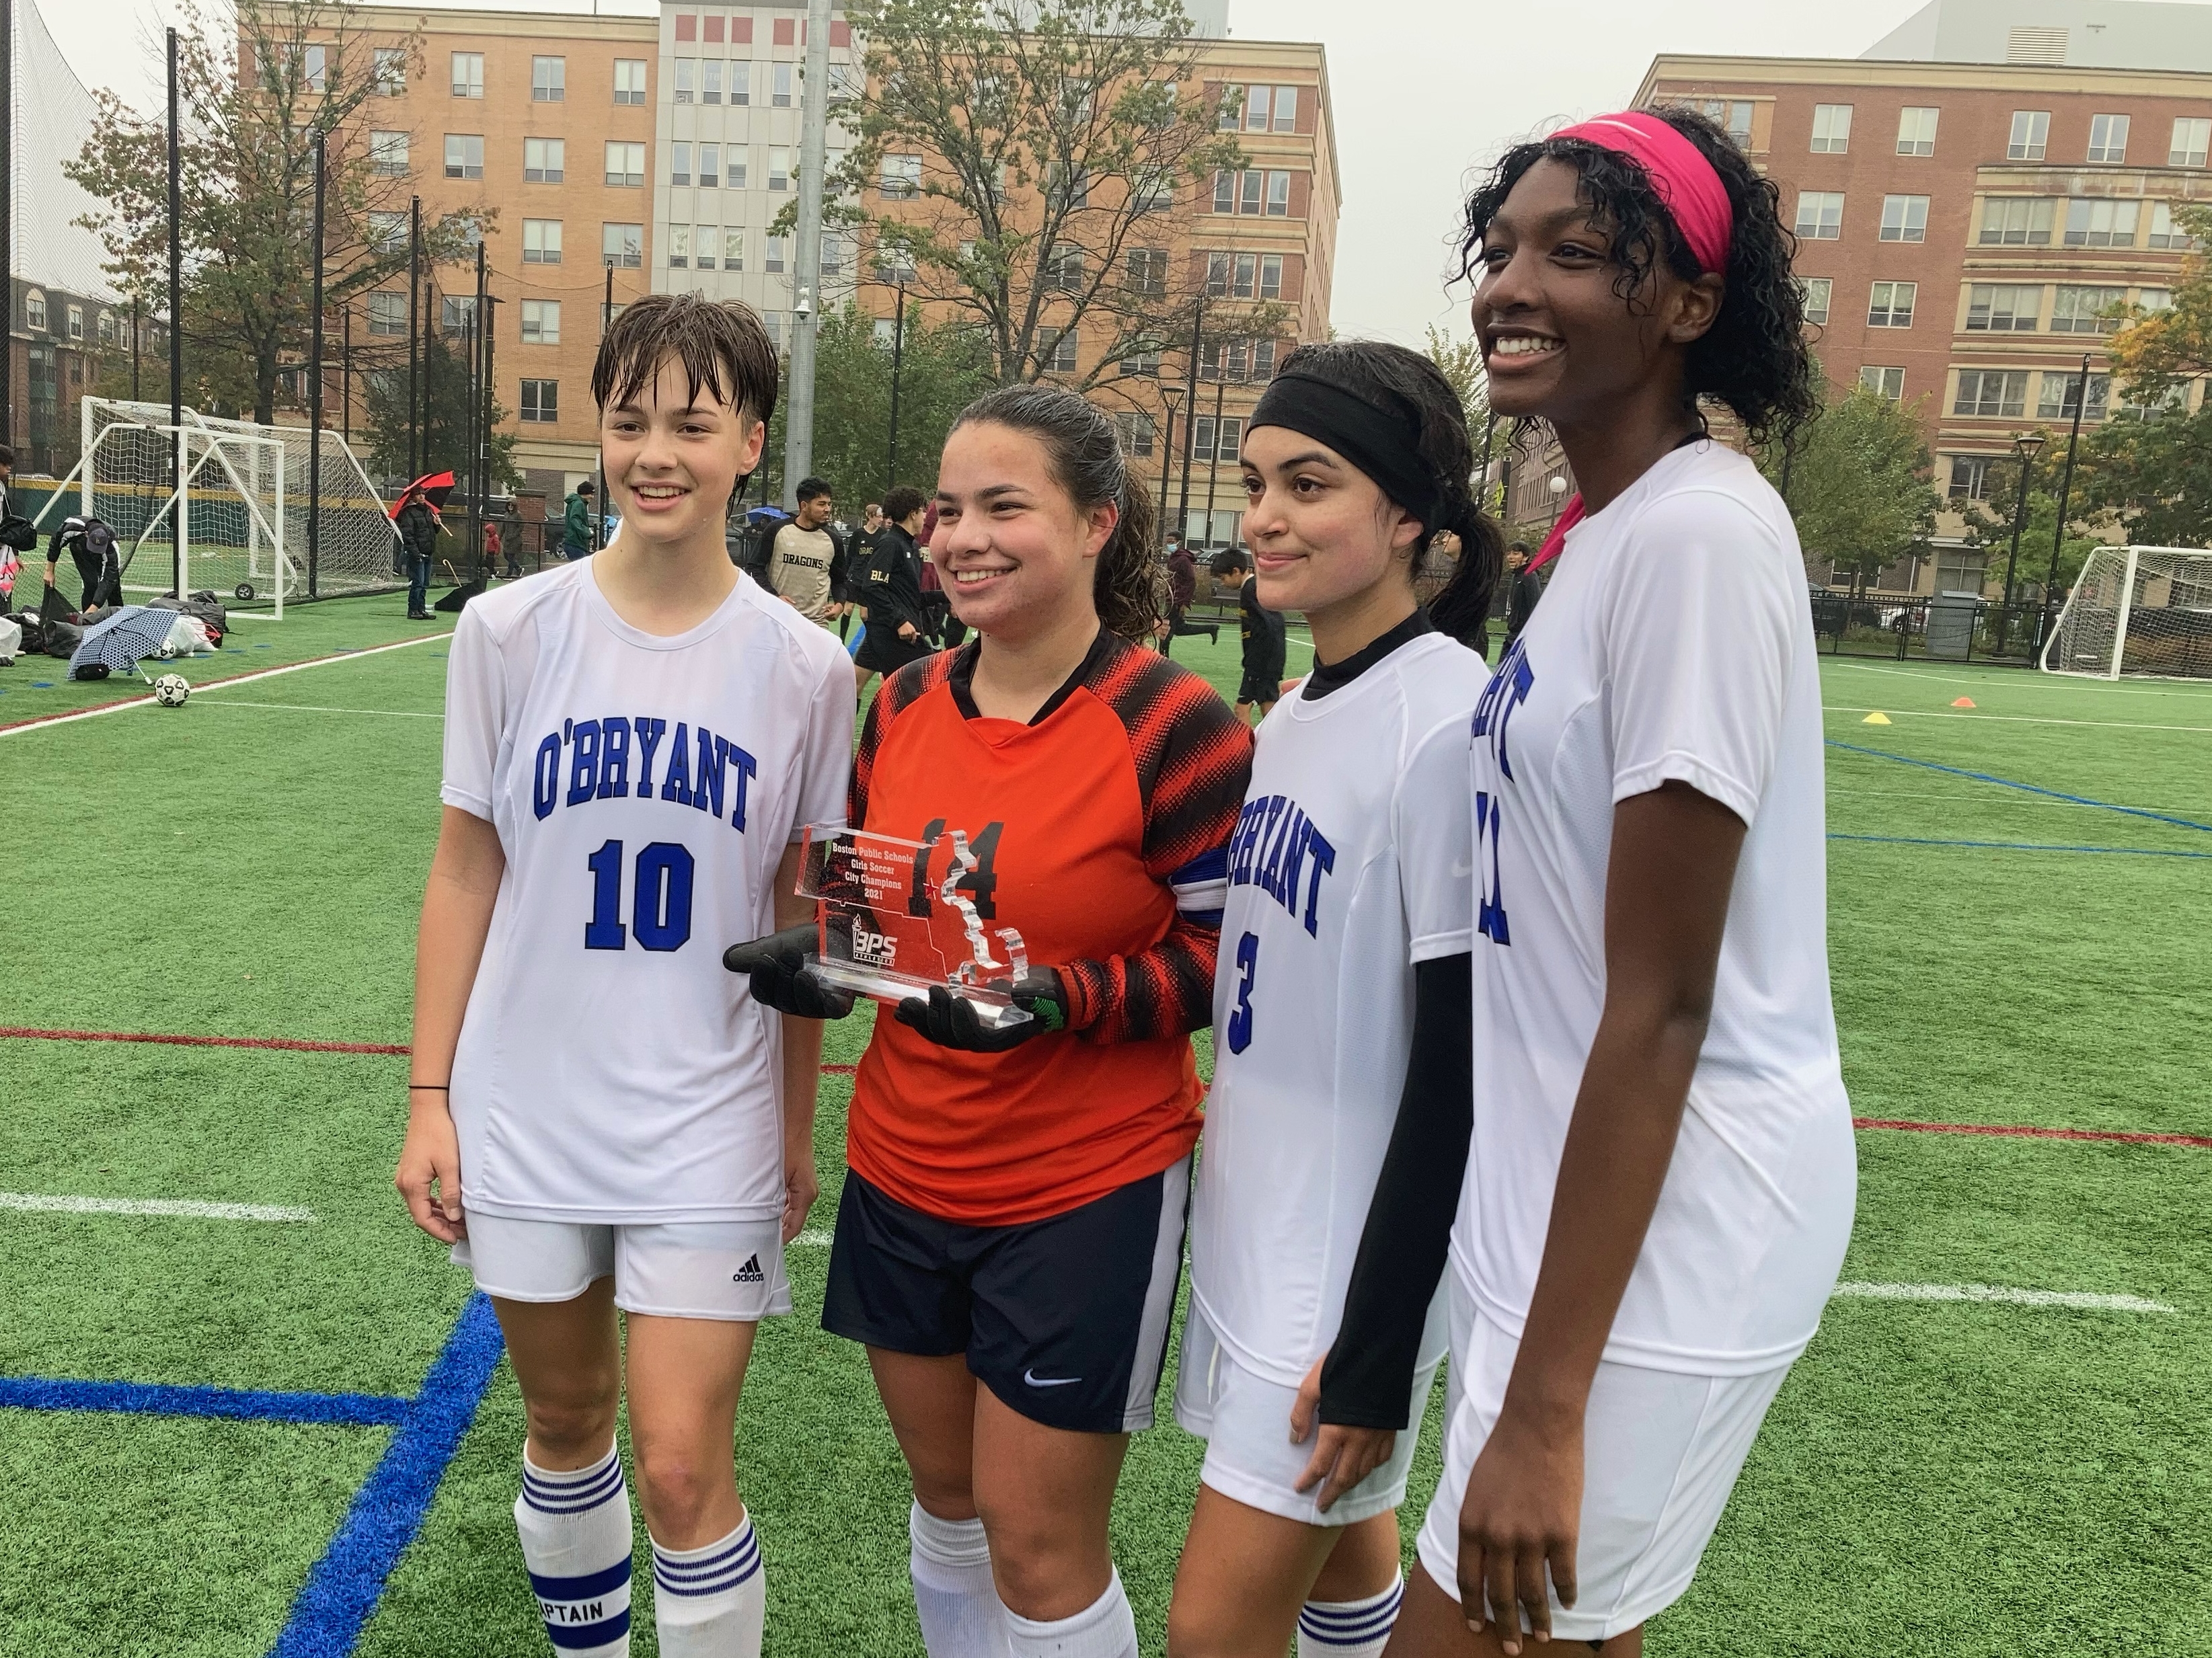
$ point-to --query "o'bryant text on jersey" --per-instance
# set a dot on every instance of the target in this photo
(600, 756)
(1269, 847)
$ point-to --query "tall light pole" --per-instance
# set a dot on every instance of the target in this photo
(898, 363)
(315, 387)
(1171, 396)
(2025, 445)
(1190, 391)
(814, 157)
(8, 221)
(2066, 480)
(176, 330)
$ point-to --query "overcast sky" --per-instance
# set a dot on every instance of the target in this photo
(1424, 91)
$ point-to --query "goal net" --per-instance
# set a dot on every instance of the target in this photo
(238, 525)
(2142, 610)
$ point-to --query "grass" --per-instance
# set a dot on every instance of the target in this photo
(1935, 1478)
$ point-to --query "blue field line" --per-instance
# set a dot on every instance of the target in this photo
(2025, 788)
(30, 1393)
(2017, 846)
(341, 1591)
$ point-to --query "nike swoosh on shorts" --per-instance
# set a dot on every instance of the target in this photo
(1030, 1377)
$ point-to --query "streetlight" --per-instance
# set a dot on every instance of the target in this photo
(2025, 445)
(1171, 395)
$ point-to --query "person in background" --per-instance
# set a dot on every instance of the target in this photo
(806, 567)
(491, 548)
(860, 548)
(1524, 587)
(417, 523)
(1182, 589)
(1261, 630)
(898, 619)
(576, 522)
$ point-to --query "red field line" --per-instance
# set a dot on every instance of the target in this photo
(2126, 1136)
(288, 1044)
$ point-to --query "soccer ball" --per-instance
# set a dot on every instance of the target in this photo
(171, 689)
(168, 650)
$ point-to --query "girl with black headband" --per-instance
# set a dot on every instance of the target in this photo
(1343, 982)
(1661, 1174)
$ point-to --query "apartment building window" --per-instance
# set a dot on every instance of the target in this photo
(541, 322)
(1136, 431)
(2001, 392)
(1271, 276)
(710, 81)
(1904, 218)
(1969, 476)
(2164, 232)
(625, 165)
(1817, 291)
(1244, 284)
(1890, 305)
(741, 84)
(733, 249)
(1831, 129)
(548, 80)
(2017, 220)
(545, 160)
(1820, 215)
(1733, 114)
(687, 79)
(1203, 446)
(387, 154)
(465, 156)
(779, 253)
(1884, 382)
(779, 167)
(76, 323)
(2192, 135)
(837, 252)
(1152, 192)
(1265, 109)
(387, 314)
(736, 160)
(315, 68)
(1148, 271)
(703, 239)
(630, 79)
(1916, 130)
(1059, 351)
(468, 74)
(2151, 300)
(541, 241)
(541, 402)
(901, 177)
(107, 328)
(1278, 195)
(2082, 310)
(1063, 269)
(779, 95)
(2108, 137)
(2101, 222)
(387, 231)
(2030, 135)
(679, 246)
(391, 71)
(1140, 364)
(679, 164)
(622, 245)
(2061, 392)
(2002, 308)
(710, 166)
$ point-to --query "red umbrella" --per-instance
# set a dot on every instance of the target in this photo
(433, 487)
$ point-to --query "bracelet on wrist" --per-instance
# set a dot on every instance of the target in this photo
(428, 1088)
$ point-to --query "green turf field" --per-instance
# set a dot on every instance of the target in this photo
(1939, 1476)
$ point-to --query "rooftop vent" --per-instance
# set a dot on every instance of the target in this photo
(2029, 45)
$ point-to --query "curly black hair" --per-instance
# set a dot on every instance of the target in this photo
(1754, 359)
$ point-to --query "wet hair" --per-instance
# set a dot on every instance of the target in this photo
(1391, 375)
(902, 502)
(1228, 563)
(1084, 454)
(811, 489)
(1754, 359)
(722, 347)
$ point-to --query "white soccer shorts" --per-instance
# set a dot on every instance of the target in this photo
(1245, 1420)
(730, 1271)
(1661, 1453)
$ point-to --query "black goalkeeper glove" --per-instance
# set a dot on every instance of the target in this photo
(950, 1020)
(776, 966)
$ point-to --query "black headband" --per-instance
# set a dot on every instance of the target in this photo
(1383, 443)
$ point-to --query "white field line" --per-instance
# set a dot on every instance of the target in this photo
(180, 1208)
(2014, 720)
(1839, 792)
(2082, 1298)
(310, 708)
(2021, 679)
(816, 1240)
(219, 684)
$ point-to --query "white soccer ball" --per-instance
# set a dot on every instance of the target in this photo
(171, 689)
(168, 652)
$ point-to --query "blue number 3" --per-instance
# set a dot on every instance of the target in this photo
(1240, 1017)
(661, 900)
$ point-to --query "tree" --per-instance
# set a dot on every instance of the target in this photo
(2157, 349)
(2151, 477)
(445, 388)
(1036, 147)
(255, 86)
(1460, 361)
(1989, 521)
(1859, 485)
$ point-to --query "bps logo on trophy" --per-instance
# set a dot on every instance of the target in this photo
(892, 920)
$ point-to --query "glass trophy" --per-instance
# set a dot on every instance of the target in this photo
(891, 922)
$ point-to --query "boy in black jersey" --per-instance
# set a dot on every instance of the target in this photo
(1261, 630)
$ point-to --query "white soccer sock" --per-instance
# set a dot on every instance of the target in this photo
(1350, 1629)
(953, 1595)
(711, 1602)
(1104, 1629)
(576, 1542)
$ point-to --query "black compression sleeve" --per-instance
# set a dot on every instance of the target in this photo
(1370, 1371)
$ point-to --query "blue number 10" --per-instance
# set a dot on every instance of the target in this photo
(661, 904)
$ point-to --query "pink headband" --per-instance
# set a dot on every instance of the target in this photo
(1686, 180)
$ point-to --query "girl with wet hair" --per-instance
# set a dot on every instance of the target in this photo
(1660, 1175)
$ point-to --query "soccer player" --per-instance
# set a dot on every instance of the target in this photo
(1260, 632)
(805, 566)
(1345, 954)
(1011, 1233)
(898, 618)
(633, 744)
(1661, 1175)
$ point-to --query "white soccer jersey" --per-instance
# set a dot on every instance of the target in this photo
(644, 790)
(1675, 642)
(1348, 864)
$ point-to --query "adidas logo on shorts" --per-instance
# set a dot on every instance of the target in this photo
(750, 1273)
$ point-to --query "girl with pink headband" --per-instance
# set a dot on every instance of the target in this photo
(1661, 1174)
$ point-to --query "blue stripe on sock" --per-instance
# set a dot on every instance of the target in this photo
(577, 1498)
(343, 1587)
(734, 1565)
(584, 1587)
(1333, 1626)
(32, 1392)
(590, 1635)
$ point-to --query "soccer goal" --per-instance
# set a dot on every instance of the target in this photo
(2144, 610)
(239, 521)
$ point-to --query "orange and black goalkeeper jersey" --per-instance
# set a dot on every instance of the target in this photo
(1102, 827)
